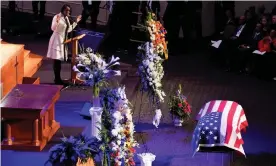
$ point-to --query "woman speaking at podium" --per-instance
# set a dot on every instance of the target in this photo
(58, 51)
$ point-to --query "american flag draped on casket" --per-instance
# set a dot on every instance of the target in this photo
(220, 123)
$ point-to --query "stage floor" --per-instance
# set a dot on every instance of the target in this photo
(201, 82)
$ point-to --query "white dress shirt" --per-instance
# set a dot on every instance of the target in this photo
(240, 30)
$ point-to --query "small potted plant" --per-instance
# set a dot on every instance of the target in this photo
(179, 108)
(74, 151)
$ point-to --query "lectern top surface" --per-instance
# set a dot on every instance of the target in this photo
(28, 96)
(7, 51)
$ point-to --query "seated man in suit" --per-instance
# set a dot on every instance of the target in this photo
(230, 26)
(229, 31)
(243, 33)
(245, 59)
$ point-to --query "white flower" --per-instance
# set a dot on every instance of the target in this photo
(148, 70)
(75, 69)
(117, 115)
(114, 132)
(117, 72)
(151, 65)
(87, 62)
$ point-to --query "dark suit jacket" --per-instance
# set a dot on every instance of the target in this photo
(230, 29)
(253, 41)
(94, 7)
(179, 8)
(273, 26)
(155, 6)
(246, 32)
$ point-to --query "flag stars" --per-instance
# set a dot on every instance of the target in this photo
(206, 127)
(203, 132)
(211, 124)
(210, 132)
(215, 137)
(215, 128)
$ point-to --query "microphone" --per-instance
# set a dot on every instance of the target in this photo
(70, 18)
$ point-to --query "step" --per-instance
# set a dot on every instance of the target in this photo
(133, 72)
(26, 54)
(125, 67)
(32, 64)
(131, 84)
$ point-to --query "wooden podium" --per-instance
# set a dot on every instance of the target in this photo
(75, 42)
(29, 113)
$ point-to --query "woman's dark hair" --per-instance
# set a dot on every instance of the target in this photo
(64, 7)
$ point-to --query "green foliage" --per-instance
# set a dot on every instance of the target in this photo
(105, 136)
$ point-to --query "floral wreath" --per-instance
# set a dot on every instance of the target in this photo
(118, 122)
(151, 72)
(93, 70)
(157, 34)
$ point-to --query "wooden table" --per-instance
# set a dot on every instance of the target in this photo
(29, 116)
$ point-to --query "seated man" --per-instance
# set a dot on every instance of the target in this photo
(229, 30)
(243, 33)
(245, 60)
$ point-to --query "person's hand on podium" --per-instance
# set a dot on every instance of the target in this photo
(78, 19)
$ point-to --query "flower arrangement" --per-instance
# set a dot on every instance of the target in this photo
(73, 150)
(121, 127)
(94, 71)
(151, 72)
(157, 35)
(179, 106)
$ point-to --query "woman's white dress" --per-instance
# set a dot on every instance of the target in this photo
(56, 49)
